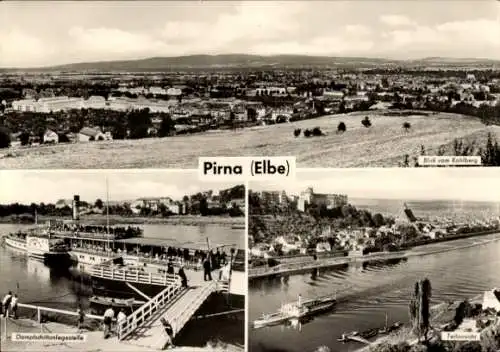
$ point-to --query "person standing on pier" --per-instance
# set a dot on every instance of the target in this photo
(170, 268)
(207, 268)
(6, 304)
(13, 306)
(81, 317)
(169, 331)
(120, 318)
(109, 314)
(183, 276)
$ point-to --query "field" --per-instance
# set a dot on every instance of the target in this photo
(382, 145)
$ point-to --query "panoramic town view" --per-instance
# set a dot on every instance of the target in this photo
(135, 261)
(138, 87)
(375, 260)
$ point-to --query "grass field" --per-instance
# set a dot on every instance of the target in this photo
(382, 145)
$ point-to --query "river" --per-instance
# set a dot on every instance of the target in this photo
(36, 283)
(367, 292)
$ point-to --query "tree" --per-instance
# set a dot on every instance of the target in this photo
(341, 127)
(251, 114)
(99, 203)
(366, 122)
(4, 138)
(167, 126)
(420, 308)
(406, 126)
(24, 137)
(378, 219)
(297, 131)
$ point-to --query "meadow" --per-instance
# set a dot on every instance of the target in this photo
(384, 144)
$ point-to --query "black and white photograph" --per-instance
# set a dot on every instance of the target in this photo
(375, 260)
(138, 84)
(121, 260)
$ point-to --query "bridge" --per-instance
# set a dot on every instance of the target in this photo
(296, 267)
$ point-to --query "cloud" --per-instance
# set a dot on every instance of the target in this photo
(49, 186)
(457, 38)
(396, 20)
(250, 23)
(19, 48)
(107, 43)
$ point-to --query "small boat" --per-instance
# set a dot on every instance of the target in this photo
(346, 337)
(397, 325)
(115, 302)
(295, 310)
(369, 333)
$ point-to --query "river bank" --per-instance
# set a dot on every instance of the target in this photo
(441, 314)
(301, 266)
(101, 220)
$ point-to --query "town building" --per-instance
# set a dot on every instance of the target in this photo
(308, 198)
(88, 134)
(50, 137)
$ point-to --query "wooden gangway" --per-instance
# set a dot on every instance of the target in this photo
(175, 304)
(133, 275)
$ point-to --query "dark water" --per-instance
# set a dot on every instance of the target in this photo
(367, 292)
(37, 284)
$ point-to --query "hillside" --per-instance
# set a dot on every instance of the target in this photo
(382, 145)
(244, 61)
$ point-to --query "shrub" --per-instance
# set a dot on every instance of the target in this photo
(297, 132)
(307, 133)
(317, 131)
(341, 127)
(4, 137)
(366, 122)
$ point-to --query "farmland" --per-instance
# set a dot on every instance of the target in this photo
(384, 144)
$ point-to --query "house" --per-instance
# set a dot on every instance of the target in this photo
(88, 134)
(491, 300)
(50, 137)
(63, 203)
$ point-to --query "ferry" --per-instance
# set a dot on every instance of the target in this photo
(40, 246)
(295, 311)
(92, 247)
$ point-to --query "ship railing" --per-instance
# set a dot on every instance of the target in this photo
(128, 325)
(189, 264)
(95, 251)
(133, 275)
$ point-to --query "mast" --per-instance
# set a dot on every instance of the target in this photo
(107, 211)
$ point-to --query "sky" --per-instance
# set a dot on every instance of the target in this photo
(26, 187)
(468, 184)
(45, 33)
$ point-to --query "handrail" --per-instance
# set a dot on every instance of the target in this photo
(40, 309)
(127, 326)
(126, 274)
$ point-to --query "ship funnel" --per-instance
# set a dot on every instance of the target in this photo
(76, 207)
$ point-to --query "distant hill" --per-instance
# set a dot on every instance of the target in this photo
(243, 61)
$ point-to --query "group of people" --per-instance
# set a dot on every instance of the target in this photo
(9, 305)
(119, 232)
